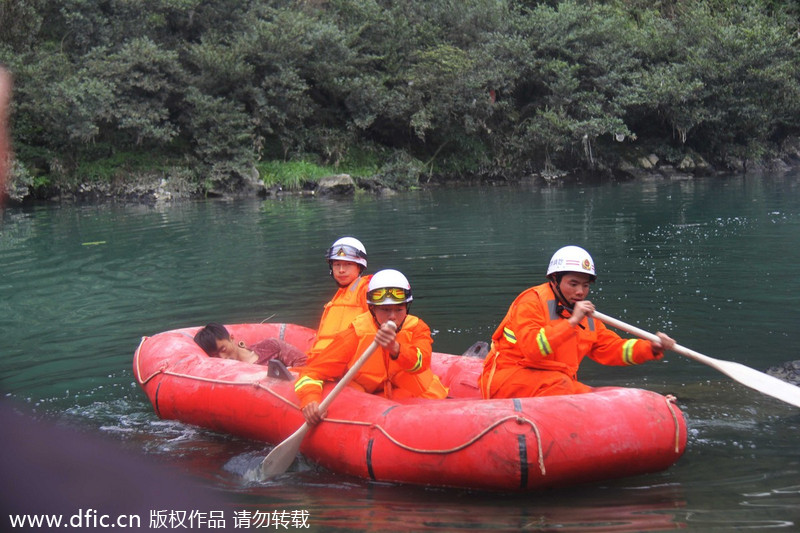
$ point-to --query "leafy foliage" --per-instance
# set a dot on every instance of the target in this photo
(451, 86)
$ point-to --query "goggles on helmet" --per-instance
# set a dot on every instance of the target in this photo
(396, 294)
(343, 252)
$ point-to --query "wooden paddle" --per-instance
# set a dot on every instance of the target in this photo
(282, 456)
(745, 375)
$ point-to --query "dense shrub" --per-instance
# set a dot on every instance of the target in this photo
(458, 86)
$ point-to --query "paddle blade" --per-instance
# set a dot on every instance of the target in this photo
(764, 383)
(279, 459)
(282, 456)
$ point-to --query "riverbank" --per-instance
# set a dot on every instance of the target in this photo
(178, 183)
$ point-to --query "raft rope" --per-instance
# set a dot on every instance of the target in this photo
(671, 406)
(516, 418)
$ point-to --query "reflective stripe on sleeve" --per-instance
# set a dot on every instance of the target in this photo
(544, 345)
(627, 352)
(418, 365)
(305, 380)
(510, 336)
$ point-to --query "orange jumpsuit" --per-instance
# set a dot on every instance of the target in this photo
(535, 351)
(346, 304)
(407, 376)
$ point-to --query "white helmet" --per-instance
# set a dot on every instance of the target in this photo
(347, 249)
(572, 259)
(388, 287)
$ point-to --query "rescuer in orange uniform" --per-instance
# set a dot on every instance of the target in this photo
(347, 259)
(399, 368)
(538, 347)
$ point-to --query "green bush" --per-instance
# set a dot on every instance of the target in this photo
(321, 88)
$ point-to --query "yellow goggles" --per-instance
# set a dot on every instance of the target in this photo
(393, 293)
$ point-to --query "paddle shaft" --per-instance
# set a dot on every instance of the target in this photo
(282, 456)
(348, 377)
(745, 375)
(652, 338)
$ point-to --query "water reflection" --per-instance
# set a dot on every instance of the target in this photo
(376, 507)
(713, 262)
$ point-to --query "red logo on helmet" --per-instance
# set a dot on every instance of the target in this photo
(587, 265)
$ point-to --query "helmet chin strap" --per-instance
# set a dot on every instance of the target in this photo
(399, 324)
(330, 273)
(563, 304)
(554, 284)
(347, 285)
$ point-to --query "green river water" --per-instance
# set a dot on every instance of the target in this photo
(713, 262)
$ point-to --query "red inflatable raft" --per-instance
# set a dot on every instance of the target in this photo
(515, 444)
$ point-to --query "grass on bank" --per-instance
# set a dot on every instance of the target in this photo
(291, 175)
(123, 164)
(392, 168)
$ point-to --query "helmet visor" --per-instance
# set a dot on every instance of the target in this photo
(344, 252)
(395, 294)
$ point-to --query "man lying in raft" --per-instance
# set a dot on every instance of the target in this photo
(548, 330)
(216, 341)
(399, 368)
